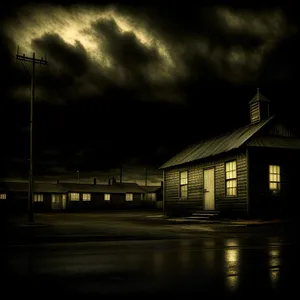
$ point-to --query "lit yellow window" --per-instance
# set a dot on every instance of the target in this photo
(274, 178)
(183, 185)
(231, 178)
(86, 197)
(38, 198)
(74, 196)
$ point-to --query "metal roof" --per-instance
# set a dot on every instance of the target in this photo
(38, 187)
(274, 142)
(217, 145)
(104, 188)
(72, 187)
(151, 188)
(259, 97)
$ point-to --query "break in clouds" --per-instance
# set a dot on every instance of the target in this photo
(91, 50)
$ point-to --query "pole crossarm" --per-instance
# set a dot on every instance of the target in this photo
(30, 59)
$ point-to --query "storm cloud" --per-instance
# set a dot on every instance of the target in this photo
(146, 52)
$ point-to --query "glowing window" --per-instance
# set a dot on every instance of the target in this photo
(231, 178)
(74, 196)
(183, 185)
(106, 197)
(3, 196)
(86, 197)
(129, 197)
(274, 178)
(38, 198)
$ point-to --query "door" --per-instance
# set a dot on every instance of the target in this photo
(57, 202)
(209, 189)
(64, 201)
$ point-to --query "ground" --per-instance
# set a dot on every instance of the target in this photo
(141, 254)
(122, 225)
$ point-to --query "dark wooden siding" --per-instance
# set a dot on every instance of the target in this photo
(228, 205)
(262, 203)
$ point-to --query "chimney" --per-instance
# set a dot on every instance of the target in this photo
(57, 182)
(109, 182)
(259, 108)
(95, 181)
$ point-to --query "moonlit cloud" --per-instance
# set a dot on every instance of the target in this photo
(77, 26)
(93, 48)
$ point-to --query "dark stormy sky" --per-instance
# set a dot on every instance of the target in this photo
(136, 83)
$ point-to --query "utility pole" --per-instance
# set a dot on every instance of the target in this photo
(78, 176)
(33, 61)
(146, 175)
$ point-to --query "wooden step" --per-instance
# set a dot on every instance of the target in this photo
(198, 218)
(205, 214)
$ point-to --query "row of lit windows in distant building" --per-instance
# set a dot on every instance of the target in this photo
(74, 197)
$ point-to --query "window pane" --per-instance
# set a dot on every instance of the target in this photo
(86, 197)
(107, 197)
(3, 196)
(74, 196)
(38, 198)
(234, 191)
(183, 188)
(129, 197)
(183, 177)
(231, 187)
(274, 178)
(229, 192)
(183, 191)
(228, 167)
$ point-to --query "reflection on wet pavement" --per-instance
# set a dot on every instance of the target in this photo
(216, 265)
(232, 261)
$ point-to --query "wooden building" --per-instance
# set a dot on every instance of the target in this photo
(153, 196)
(71, 196)
(249, 172)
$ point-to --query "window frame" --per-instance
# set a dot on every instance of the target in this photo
(277, 190)
(232, 179)
(74, 193)
(107, 194)
(126, 197)
(183, 185)
(36, 198)
(3, 196)
(89, 198)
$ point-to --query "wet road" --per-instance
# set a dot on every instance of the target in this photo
(212, 266)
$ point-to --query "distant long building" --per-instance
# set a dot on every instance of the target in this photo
(63, 196)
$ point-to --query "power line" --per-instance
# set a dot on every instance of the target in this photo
(33, 61)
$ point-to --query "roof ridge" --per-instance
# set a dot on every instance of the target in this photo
(216, 145)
